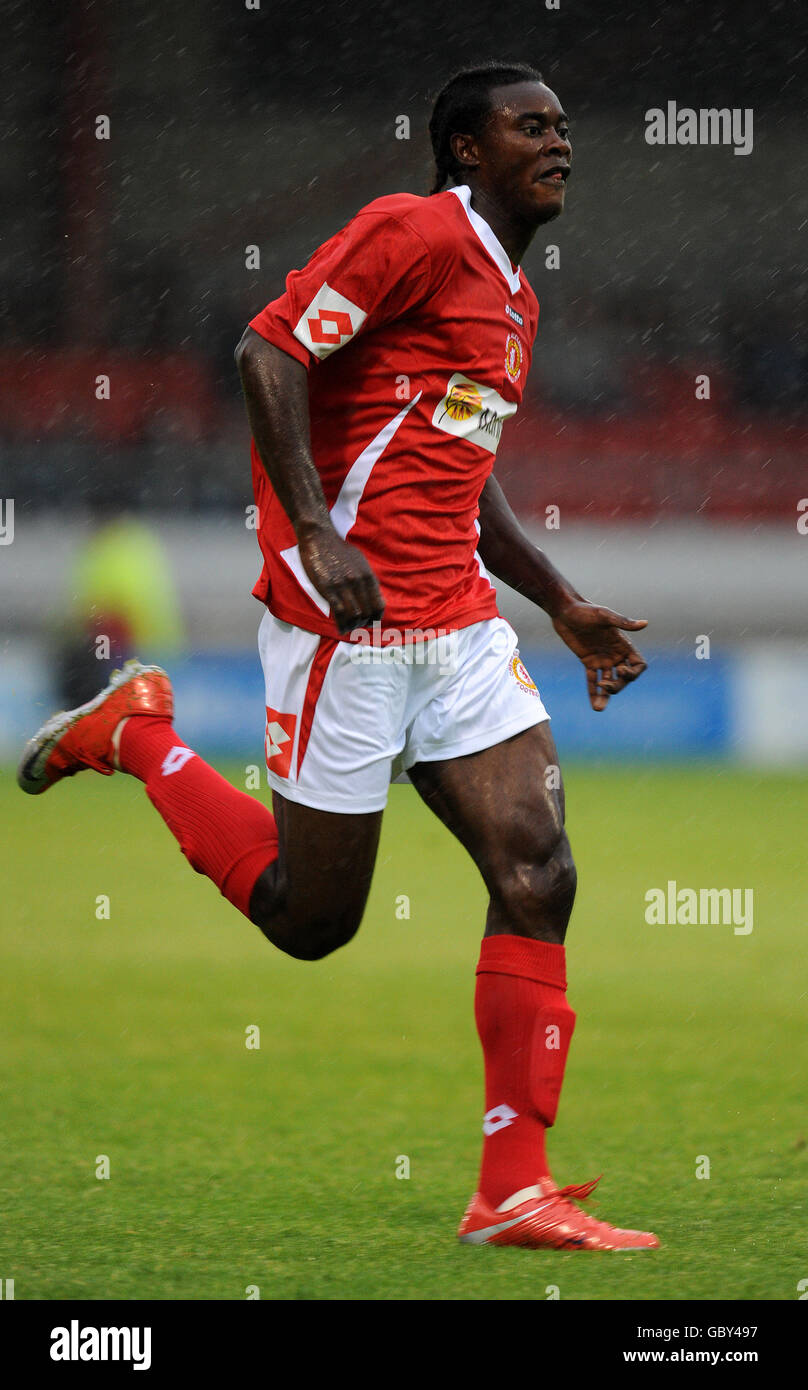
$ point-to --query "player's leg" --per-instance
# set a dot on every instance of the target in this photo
(301, 875)
(481, 754)
(332, 729)
(505, 805)
(312, 898)
(303, 880)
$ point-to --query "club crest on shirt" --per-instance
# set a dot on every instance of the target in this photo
(513, 356)
(522, 676)
(471, 411)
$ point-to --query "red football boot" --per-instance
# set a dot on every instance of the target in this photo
(86, 737)
(545, 1216)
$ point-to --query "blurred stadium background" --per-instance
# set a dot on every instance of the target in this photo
(233, 128)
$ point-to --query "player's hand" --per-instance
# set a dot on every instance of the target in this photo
(595, 634)
(342, 575)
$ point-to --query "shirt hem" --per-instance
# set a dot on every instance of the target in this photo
(287, 613)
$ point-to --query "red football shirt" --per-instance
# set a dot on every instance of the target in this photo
(417, 332)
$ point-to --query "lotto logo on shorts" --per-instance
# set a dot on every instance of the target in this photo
(279, 741)
(522, 676)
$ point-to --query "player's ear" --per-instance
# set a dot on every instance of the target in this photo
(464, 149)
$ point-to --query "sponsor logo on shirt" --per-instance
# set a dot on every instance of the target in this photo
(329, 322)
(513, 356)
(463, 401)
(517, 318)
(471, 411)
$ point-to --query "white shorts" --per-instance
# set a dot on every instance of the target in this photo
(344, 719)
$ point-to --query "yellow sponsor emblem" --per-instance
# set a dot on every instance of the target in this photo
(463, 401)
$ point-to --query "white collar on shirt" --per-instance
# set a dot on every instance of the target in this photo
(491, 243)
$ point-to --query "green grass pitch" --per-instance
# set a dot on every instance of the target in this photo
(276, 1167)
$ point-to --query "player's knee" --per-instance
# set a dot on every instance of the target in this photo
(539, 888)
(319, 936)
(297, 927)
(561, 877)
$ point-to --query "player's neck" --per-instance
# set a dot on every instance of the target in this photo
(513, 234)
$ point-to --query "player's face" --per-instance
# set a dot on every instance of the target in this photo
(525, 152)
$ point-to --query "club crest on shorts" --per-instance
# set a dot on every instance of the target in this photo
(522, 676)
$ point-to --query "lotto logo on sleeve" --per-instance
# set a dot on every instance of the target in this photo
(279, 742)
(329, 322)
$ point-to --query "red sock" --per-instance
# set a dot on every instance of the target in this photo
(222, 832)
(525, 1026)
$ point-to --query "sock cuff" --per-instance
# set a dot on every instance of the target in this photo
(143, 742)
(543, 961)
(242, 876)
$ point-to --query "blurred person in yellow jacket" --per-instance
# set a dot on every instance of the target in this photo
(123, 600)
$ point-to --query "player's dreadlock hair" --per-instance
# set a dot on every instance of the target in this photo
(463, 105)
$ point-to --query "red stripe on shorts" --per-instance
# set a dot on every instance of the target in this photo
(319, 666)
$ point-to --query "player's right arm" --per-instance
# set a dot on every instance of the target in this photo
(370, 272)
(276, 393)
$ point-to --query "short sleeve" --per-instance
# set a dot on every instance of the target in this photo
(371, 272)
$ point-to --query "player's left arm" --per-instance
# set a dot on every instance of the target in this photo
(592, 632)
